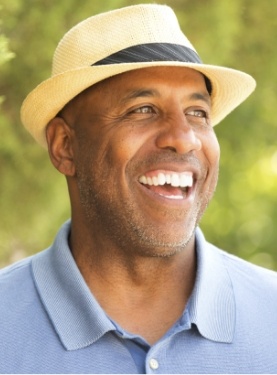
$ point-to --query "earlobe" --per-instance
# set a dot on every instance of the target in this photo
(60, 148)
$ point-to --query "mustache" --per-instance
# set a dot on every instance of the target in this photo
(169, 157)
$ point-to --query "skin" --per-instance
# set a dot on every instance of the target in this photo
(136, 248)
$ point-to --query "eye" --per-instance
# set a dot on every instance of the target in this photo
(141, 113)
(198, 117)
(144, 109)
(198, 113)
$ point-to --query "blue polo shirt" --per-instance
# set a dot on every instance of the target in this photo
(51, 323)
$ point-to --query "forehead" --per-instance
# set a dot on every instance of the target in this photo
(156, 79)
(167, 76)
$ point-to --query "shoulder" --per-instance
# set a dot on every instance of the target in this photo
(21, 272)
(18, 270)
(240, 265)
(17, 296)
(17, 283)
(20, 307)
(243, 274)
(250, 278)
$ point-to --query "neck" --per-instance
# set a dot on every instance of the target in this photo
(144, 294)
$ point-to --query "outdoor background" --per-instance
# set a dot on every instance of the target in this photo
(240, 34)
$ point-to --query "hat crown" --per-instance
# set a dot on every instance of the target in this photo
(105, 34)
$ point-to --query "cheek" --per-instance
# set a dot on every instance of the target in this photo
(212, 150)
(214, 164)
(122, 147)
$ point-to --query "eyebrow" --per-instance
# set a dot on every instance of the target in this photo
(144, 93)
(140, 93)
(201, 96)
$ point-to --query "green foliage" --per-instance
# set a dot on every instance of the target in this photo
(5, 53)
(238, 33)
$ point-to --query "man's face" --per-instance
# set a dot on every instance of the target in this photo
(146, 158)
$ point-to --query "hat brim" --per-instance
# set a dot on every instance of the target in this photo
(230, 87)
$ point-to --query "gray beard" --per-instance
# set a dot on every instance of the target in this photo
(126, 229)
(123, 224)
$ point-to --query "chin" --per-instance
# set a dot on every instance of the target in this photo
(163, 252)
(163, 243)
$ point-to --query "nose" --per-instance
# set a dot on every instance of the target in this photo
(178, 135)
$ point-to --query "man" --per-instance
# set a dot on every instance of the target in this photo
(130, 285)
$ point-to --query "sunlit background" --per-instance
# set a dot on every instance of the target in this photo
(240, 34)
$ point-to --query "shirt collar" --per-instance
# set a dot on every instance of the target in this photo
(212, 304)
(80, 321)
(76, 315)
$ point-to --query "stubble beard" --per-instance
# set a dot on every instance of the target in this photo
(127, 228)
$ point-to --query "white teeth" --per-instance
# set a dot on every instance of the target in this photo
(176, 197)
(155, 181)
(168, 179)
(161, 179)
(143, 180)
(175, 179)
(186, 180)
(149, 181)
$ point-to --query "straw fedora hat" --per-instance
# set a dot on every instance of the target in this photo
(118, 41)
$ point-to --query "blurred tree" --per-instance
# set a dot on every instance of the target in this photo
(5, 53)
(238, 33)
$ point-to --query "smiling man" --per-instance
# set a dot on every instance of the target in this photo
(130, 285)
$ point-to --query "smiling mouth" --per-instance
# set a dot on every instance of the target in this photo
(170, 185)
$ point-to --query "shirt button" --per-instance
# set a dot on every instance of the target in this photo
(154, 364)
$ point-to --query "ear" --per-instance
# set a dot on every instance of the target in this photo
(60, 146)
